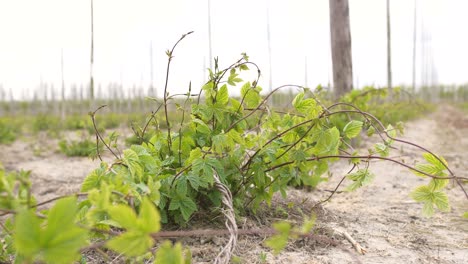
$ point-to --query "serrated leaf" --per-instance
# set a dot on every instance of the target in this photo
(328, 142)
(223, 96)
(58, 242)
(427, 168)
(441, 201)
(438, 184)
(185, 205)
(430, 198)
(154, 187)
(434, 161)
(361, 178)
(181, 186)
(298, 99)
(236, 105)
(251, 97)
(421, 194)
(352, 129)
(170, 255)
(382, 149)
(202, 127)
(428, 209)
(131, 244)
(91, 181)
(305, 106)
(64, 248)
(132, 161)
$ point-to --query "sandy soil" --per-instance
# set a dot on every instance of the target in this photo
(380, 217)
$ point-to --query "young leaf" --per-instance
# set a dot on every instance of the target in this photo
(427, 168)
(352, 129)
(27, 235)
(149, 220)
(382, 149)
(202, 127)
(58, 242)
(361, 178)
(170, 255)
(438, 184)
(223, 96)
(93, 180)
(250, 95)
(123, 215)
(278, 242)
(434, 161)
(430, 198)
(131, 244)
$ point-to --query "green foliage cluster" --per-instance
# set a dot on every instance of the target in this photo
(256, 151)
(8, 130)
(58, 235)
(79, 148)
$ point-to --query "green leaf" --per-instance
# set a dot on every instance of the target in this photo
(132, 161)
(62, 239)
(60, 216)
(149, 220)
(438, 184)
(306, 106)
(92, 180)
(421, 194)
(427, 168)
(436, 162)
(185, 205)
(27, 234)
(64, 248)
(278, 242)
(195, 181)
(308, 224)
(382, 149)
(223, 96)
(361, 178)
(58, 242)
(124, 215)
(391, 131)
(441, 201)
(352, 129)
(131, 244)
(202, 127)
(170, 255)
(328, 142)
(430, 198)
(298, 99)
(251, 96)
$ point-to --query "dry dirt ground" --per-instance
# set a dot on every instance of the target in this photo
(380, 217)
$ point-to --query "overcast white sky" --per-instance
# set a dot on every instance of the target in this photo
(33, 33)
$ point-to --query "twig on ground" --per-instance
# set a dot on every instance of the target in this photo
(351, 240)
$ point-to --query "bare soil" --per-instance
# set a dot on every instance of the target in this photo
(380, 217)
